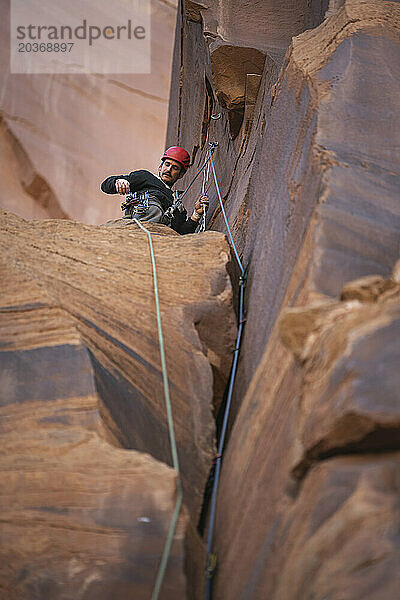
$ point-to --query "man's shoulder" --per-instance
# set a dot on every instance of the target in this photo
(143, 179)
(143, 173)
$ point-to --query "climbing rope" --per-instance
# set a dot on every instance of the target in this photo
(211, 555)
(212, 146)
(209, 160)
(224, 214)
(174, 452)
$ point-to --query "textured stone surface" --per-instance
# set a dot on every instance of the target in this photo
(311, 190)
(336, 538)
(76, 130)
(340, 395)
(323, 201)
(23, 189)
(82, 393)
(308, 167)
(82, 517)
(267, 25)
(349, 353)
(239, 42)
(340, 539)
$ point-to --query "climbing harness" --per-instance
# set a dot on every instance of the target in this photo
(174, 452)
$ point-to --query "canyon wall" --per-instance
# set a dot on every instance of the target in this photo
(302, 100)
(62, 135)
(308, 167)
(88, 493)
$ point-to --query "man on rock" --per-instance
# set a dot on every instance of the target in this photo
(156, 190)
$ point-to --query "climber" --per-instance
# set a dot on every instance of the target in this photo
(151, 198)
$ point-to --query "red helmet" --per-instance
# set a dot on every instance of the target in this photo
(179, 154)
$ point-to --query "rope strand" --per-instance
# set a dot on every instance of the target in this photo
(224, 213)
(174, 452)
(194, 178)
(211, 556)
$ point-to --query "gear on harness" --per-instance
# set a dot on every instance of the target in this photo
(177, 206)
(145, 205)
(138, 202)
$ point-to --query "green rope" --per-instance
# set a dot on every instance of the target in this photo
(175, 461)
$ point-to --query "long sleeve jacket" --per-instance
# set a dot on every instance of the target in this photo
(142, 180)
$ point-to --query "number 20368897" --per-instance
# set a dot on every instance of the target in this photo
(45, 47)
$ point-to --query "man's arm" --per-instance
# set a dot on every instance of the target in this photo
(108, 185)
(188, 226)
(183, 225)
(123, 184)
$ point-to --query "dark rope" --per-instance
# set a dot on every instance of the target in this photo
(211, 556)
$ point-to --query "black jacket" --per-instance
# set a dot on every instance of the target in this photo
(140, 181)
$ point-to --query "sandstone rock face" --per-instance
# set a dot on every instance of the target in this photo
(302, 512)
(86, 502)
(299, 188)
(267, 26)
(346, 404)
(75, 130)
(310, 183)
(82, 516)
(340, 538)
(23, 189)
(308, 169)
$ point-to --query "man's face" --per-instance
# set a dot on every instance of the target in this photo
(170, 171)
